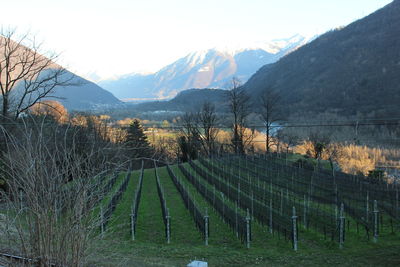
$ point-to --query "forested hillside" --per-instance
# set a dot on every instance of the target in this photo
(348, 70)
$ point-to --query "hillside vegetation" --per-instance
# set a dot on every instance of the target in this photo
(348, 70)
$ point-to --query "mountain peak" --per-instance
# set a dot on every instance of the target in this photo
(207, 68)
(273, 46)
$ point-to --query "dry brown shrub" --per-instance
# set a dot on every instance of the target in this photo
(52, 109)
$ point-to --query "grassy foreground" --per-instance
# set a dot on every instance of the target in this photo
(126, 253)
(150, 247)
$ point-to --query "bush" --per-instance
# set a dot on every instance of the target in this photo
(376, 176)
(304, 163)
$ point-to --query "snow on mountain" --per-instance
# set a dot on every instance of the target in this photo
(211, 68)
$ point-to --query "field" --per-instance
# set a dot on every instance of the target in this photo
(243, 207)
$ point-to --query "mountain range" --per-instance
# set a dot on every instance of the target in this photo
(211, 68)
(351, 70)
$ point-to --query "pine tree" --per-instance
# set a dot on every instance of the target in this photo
(136, 141)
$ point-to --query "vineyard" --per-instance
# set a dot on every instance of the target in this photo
(254, 206)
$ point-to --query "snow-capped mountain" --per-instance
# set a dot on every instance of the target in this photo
(211, 68)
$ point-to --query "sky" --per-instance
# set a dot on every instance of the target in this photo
(106, 38)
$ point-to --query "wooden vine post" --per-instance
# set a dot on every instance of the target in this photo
(336, 215)
(252, 205)
(397, 202)
(236, 219)
(270, 216)
(341, 226)
(238, 196)
(214, 195)
(168, 227)
(206, 218)
(294, 225)
(248, 234)
(376, 221)
(133, 224)
(102, 221)
(223, 206)
(367, 208)
(305, 213)
(21, 199)
(281, 209)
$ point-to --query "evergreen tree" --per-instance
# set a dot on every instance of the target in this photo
(136, 141)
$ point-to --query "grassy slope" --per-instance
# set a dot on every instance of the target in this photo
(150, 226)
(225, 250)
(183, 228)
(220, 233)
(120, 220)
(104, 202)
(259, 232)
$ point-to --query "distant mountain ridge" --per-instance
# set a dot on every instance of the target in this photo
(211, 68)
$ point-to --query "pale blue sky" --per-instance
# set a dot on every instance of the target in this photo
(115, 37)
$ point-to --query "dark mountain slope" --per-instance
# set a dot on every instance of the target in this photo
(354, 69)
(21, 62)
(188, 100)
(84, 95)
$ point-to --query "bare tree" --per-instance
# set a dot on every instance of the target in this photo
(239, 105)
(289, 138)
(27, 74)
(334, 152)
(208, 122)
(198, 132)
(52, 194)
(270, 115)
(166, 149)
(190, 139)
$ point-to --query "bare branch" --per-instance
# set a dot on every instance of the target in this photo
(270, 114)
(26, 75)
(239, 104)
(208, 122)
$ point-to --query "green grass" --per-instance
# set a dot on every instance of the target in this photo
(183, 227)
(150, 225)
(210, 186)
(220, 233)
(260, 232)
(123, 253)
(120, 219)
(291, 158)
(104, 202)
(150, 248)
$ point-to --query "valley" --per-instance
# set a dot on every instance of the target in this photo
(279, 152)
